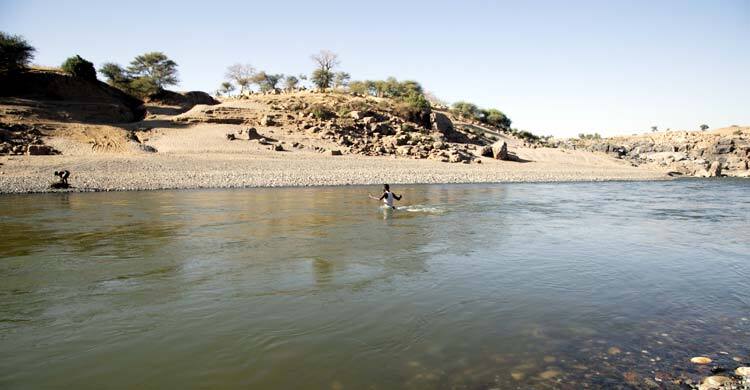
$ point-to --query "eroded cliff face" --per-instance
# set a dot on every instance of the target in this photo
(723, 152)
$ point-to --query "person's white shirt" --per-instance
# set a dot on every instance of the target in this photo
(388, 200)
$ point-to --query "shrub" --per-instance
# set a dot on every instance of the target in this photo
(79, 67)
(465, 109)
(495, 118)
(321, 112)
(414, 108)
(15, 53)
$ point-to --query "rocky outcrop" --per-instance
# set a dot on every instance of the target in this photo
(18, 139)
(725, 152)
(54, 96)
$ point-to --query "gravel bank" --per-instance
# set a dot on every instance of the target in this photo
(118, 172)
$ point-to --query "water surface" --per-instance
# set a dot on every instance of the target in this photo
(469, 286)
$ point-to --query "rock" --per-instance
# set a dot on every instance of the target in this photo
(403, 150)
(267, 120)
(517, 375)
(701, 360)
(742, 371)
(39, 150)
(368, 120)
(335, 152)
(549, 374)
(6, 135)
(714, 382)
(613, 350)
(356, 115)
(440, 122)
(263, 141)
(500, 150)
(231, 137)
(252, 133)
(486, 151)
(715, 169)
(278, 148)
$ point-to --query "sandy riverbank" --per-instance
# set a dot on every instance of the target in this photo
(263, 168)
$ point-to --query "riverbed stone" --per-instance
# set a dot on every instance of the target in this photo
(613, 350)
(714, 382)
(742, 371)
(549, 374)
(701, 360)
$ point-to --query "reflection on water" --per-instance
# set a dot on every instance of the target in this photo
(463, 286)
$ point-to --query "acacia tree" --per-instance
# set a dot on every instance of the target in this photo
(323, 76)
(290, 83)
(15, 53)
(704, 127)
(266, 81)
(341, 79)
(154, 67)
(654, 129)
(241, 74)
(226, 88)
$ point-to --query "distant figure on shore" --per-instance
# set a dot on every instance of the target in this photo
(63, 183)
(387, 196)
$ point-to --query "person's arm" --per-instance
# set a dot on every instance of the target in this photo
(378, 199)
(398, 197)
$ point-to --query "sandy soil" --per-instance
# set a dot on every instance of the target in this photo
(200, 156)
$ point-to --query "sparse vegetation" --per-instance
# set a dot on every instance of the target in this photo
(323, 76)
(594, 136)
(265, 81)
(241, 74)
(147, 74)
(341, 79)
(291, 83)
(226, 88)
(79, 67)
(15, 53)
(321, 112)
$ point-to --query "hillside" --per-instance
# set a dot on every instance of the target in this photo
(300, 138)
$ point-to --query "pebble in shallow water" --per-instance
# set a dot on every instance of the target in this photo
(743, 371)
(700, 360)
(549, 374)
(613, 350)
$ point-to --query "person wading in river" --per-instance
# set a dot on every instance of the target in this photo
(387, 196)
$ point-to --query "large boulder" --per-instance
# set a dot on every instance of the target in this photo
(500, 150)
(440, 122)
(714, 170)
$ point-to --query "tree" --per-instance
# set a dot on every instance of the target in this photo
(154, 67)
(290, 83)
(341, 79)
(654, 129)
(241, 74)
(226, 88)
(115, 75)
(323, 76)
(265, 81)
(358, 88)
(15, 53)
(704, 127)
(79, 67)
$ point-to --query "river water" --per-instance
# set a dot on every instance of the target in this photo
(467, 286)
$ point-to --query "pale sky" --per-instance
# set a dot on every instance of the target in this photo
(554, 67)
